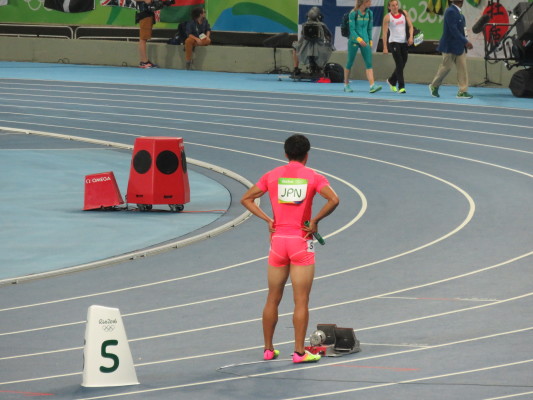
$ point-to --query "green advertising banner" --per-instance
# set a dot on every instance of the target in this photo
(231, 15)
(253, 15)
(423, 18)
(226, 15)
(34, 12)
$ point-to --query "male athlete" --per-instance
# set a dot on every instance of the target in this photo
(291, 189)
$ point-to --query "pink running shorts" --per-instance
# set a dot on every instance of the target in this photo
(291, 250)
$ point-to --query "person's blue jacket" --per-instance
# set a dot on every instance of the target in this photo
(453, 38)
(194, 28)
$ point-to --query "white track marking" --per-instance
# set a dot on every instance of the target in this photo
(287, 131)
(412, 380)
(286, 121)
(301, 97)
(340, 362)
(510, 396)
(168, 334)
(314, 366)
(203, 104)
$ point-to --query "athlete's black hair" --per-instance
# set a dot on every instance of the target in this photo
(296, 147)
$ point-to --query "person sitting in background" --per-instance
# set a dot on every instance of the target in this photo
(198, 33)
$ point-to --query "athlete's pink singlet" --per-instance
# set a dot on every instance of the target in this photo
(291, 190)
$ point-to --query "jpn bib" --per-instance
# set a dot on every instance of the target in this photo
(291, 190)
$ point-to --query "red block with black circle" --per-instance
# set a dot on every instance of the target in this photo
(158, 173)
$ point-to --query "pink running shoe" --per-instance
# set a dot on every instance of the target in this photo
(306, 358)
(270, 354)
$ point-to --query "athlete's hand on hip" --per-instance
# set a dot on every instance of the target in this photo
(310, 229)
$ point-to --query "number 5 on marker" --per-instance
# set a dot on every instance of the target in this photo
(112, 356)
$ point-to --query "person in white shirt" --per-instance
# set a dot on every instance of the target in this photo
(397, 36)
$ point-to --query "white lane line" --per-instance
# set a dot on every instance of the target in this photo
(203, 104)
(243, 117)
(358, 360)
(327, 365)
(43, 353)
(442, 314)
(510, 396)
(459, 299)
(285, 96)
(145, 285)
(229, 324)
(288, 131)
(470, 371)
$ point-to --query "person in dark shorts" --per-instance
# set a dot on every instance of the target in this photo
(146, 20)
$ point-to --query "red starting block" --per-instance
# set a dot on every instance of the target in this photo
(101, 191)
(317, 349)
(331, 341)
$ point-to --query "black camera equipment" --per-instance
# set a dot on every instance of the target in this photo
(515, 47)
(156, 5)
(480, 24)
(275, 41)
(511, 43)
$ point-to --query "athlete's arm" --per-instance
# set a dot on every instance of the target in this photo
(385, 30)
(332, 201)
(248, 201)
(410, 39)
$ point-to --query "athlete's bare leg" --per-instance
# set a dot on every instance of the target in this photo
(142, 50)
(302, 281)
(370, 76)
(277, 278)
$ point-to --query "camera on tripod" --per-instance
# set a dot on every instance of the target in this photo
(156, 5)
(511, 43)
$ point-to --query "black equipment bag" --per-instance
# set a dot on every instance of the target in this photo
(345, 23)
(335, 72)
(521, 83)
(180, 35)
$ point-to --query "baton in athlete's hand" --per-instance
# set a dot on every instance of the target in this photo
(317, 236)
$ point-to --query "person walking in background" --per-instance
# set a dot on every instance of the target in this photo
(397, 36)
(361, 24)
(198, 33)
(453, 45)
(145, 17)
(291, 189)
